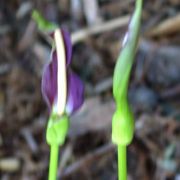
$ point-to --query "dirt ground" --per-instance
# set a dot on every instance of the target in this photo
(97, 29)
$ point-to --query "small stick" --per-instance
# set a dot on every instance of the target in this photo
(102, 27)
(88, 159)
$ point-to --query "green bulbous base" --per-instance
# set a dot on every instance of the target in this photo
(57, 129)
(122, 126)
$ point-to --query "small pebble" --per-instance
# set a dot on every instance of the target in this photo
(9, 164)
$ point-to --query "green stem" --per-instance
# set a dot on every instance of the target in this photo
(53, 162)
(122, 162)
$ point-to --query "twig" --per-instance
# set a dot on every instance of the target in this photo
(169, 26)
(102, 27)
(27, 38)
(91, 11)
(66, 155)
(173, 92)
(103, 85)
(88, 159)
(30, 139)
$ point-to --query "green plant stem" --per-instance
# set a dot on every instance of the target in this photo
(122, 162)
(53, 162)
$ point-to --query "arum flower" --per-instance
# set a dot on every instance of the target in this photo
(61, 88)
(63, 93)
(123, 120)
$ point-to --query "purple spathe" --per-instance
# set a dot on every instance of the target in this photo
(75, 95)
(49, 85)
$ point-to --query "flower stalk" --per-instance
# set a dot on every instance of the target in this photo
(122, 162)
(53, 162)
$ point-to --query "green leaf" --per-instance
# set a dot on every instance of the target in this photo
(43, 24)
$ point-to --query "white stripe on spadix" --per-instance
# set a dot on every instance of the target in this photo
(61, 72)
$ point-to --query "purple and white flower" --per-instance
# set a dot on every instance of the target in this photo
(53, 81)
